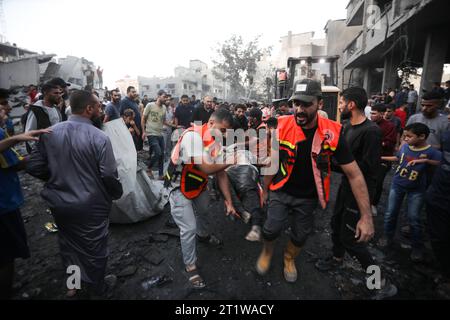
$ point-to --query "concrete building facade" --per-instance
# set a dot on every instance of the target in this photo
(397, 37)
(197, 79)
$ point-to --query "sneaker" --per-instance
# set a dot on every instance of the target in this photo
(388, 290)
(417, 255)
(328, 263)
(254, 234)
(385, 242)
(246, 216)
(374, 211)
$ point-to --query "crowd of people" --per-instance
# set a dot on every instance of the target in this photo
(69, 151)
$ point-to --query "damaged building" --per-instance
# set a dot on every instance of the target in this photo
(20, 67)
(399, 40)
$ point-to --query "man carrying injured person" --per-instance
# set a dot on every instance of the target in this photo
(197, 154)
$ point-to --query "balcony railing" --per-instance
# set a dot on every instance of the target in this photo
(353, 8)
(355, 48)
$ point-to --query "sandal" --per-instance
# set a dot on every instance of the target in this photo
(195, 279)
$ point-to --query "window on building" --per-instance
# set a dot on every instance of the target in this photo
(158, 86)
(185, 86)
(171, 85)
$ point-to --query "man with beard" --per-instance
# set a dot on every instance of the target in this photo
(45, 113)
(112, 109)
(183, 113)
(306, 144)
(365, 140)
(438, 124)
(240, 121)
(59, 82)
(77, 162)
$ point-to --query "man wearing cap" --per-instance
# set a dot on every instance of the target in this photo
(306, 144)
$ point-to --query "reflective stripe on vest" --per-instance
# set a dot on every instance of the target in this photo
(193, 181)
(325, 142)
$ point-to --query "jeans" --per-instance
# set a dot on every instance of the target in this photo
(415, 203)
(156, 149)
(167, 134)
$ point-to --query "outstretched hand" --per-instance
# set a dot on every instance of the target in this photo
(32, 135)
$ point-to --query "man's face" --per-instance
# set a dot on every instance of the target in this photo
(343, 109)
(115, 97)
(132, 94)
(185, 101)
(284, 108)
(305, 112)
(376, 116)
(162, 99)
(429, 107)
(389, 114)
(54, 96)
(219, 128)
(208, 103)
(240, 113)
(95, 111)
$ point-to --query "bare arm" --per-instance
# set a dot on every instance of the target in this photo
(364, 228)
(28, 136)
(391, 158)
(143, 122)
(224, 185)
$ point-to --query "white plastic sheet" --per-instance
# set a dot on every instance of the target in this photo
(142, 198)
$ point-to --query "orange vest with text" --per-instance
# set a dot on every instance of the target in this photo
(325, 142)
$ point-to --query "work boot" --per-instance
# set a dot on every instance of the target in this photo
(263, 263)
(290, 253)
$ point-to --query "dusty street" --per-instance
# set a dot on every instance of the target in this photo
(149, 249)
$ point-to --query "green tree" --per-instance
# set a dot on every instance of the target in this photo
(237, 64)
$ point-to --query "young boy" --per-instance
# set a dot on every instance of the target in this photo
(410, 179)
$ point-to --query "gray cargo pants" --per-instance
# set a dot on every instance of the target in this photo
(190, 216)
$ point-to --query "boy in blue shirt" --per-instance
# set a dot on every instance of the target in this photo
(414, 157)
(13, 239)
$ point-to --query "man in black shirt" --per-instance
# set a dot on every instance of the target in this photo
(300, 184)
(203, 111)
(364, 138)
(240, 121)
(183, 113)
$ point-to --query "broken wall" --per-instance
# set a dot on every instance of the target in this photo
(19, 73)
